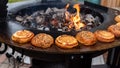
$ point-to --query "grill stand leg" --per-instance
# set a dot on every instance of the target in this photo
(114, 58)
(70, 62)
(79, 62)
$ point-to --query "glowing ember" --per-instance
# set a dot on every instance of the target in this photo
(75, 20)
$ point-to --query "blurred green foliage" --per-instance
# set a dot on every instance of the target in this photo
(11, 1)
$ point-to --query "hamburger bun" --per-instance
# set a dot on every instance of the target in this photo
(42, 40)
(117, 18)
(104, 36)
(118, 24)
(66, 41)
(115, 29)
(86, 37)
(22, 36)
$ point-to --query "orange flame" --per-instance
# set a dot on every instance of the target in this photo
(67, 14)
(66, 7)
(74, 19)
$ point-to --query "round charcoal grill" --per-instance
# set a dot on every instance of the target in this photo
(80, 56)
(102, 18)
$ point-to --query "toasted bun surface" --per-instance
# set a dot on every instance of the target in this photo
(118, 24)
(42, 40)
(104, 36)
(117, 18)
(22, 36)
(86, 38)
(115, 29)
(66, 41)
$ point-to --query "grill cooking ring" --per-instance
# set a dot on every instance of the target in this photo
(12, 27)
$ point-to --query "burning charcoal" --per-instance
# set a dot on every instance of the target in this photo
(82, 28)
(90, 18)
(24, 21)
(29, 18)
(59, 29)
(35, 14)
(41, 12)
(33, 25)
(89, 24)
(54, 22)
(40, 28)
(49, 10)
(55, 19)
(39, 19)
(64, 29)
(60, 14)
(54, 16)
(60, 18)
(61, 10)
(44, 28)
(58, 10)
(59, 25)
(85, 22)
(47, 29)
(97, 21)
(19, 18)
(25, 17)
(55, 9)
(47, 17)
(88, 27)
